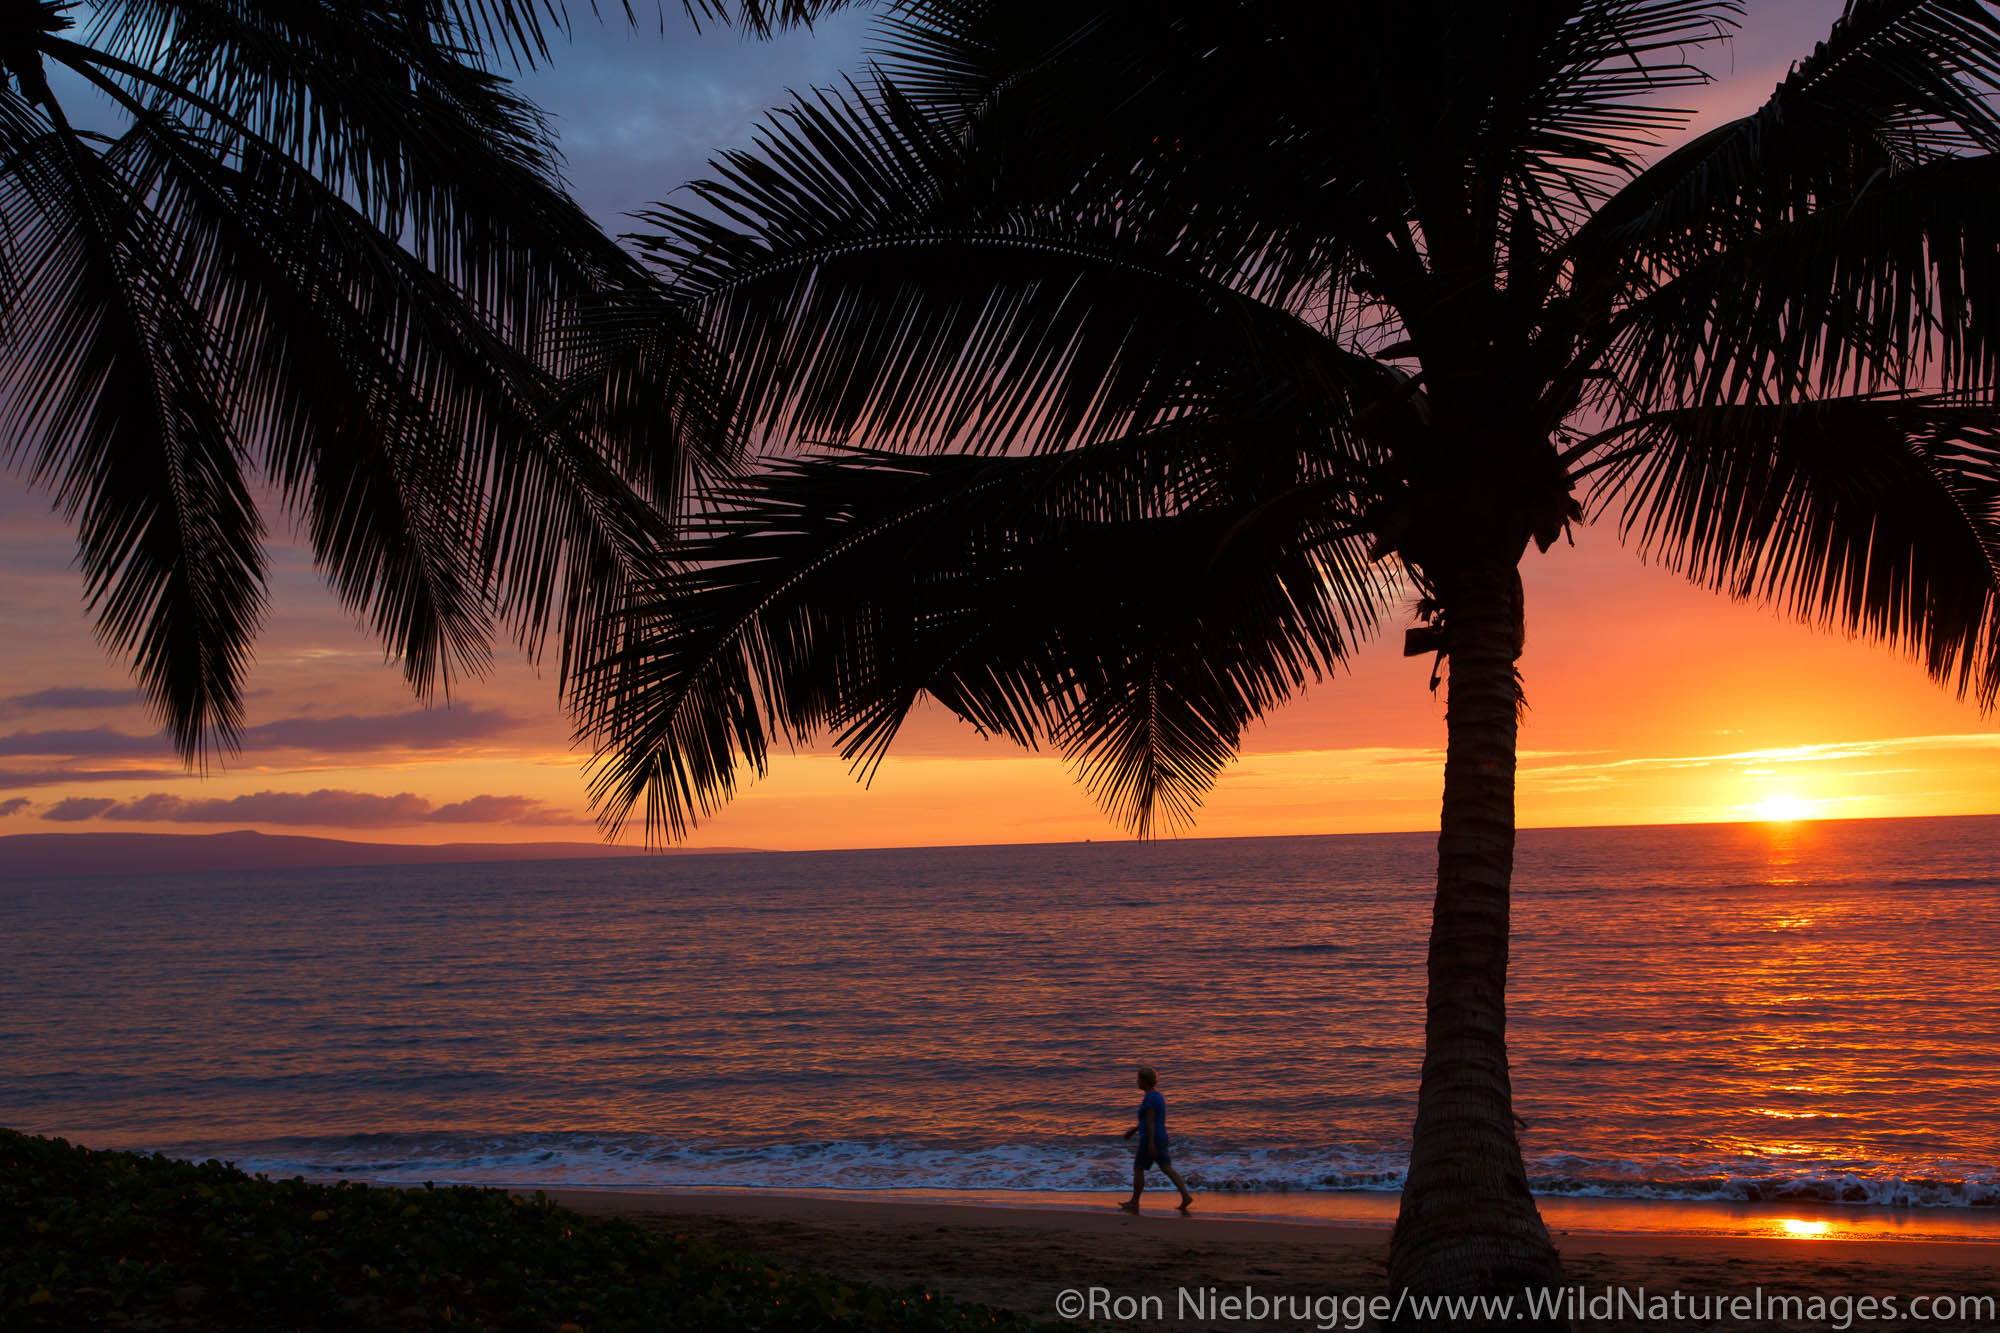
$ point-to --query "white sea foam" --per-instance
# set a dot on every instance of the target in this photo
(632, 1161)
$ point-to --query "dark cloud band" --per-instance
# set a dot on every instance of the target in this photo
(64, 700)
(418, 729)
(325, 808)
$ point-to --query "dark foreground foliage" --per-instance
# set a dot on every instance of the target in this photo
(150, 1242)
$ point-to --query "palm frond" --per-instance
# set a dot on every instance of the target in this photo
(112, 403)
(860, 286)
(762, 18)
(1848, 217)
(516, 30)
(1877, 516)
(1127, 602)
(635, 374)
(1577, 97)
(520, 32)
(1200, 129)
(1276, 113)
(371, 224)
(379, 397)
(434, 151)
(1898, 83)
(1896, 288)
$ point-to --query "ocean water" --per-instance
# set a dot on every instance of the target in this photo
(1744, 1012)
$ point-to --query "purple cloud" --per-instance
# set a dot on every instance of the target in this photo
(66, 698)
(325, 808)
(156, 807)
(95, 742)
(78, 808)
(347, 733)
(496, 810)
(418, 729)
(14, 805)
(12, 779)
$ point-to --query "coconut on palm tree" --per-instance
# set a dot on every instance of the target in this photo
(1125, 364)
(319, 249)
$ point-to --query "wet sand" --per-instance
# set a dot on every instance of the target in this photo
(1023, 1259)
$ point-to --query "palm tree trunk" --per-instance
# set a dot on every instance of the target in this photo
(1468, 1224)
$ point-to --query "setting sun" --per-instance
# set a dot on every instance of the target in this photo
(1782, 809)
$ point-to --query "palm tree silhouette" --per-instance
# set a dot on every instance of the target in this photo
(1146, 354)
(326, 239)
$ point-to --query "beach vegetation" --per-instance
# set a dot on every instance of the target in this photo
(119, 1239)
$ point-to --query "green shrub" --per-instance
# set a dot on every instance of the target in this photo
(150, 1242)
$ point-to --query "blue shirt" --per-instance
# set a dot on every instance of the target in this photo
(1157, 1104)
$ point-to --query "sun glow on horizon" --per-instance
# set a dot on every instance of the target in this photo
(1782, 808)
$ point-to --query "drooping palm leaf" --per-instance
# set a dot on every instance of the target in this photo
(118, 371)
(1795, 317)
(1839, 238)
(340, 249)
(1893, 289)
(1354, 116)
(1135, 602)
(861, 281)
(1876, 516)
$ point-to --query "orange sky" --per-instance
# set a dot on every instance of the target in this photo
(1649, 701)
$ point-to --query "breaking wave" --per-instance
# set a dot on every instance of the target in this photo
(639, 1161)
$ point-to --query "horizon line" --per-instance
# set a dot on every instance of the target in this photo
(644, 850)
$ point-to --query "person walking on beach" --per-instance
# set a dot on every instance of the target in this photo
(1152, 1150)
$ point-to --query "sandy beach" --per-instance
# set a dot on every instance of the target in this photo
(1023, 1259)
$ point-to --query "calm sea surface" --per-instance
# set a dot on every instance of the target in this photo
(1720, 1012)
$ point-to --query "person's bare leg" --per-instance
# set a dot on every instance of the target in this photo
(1131, 1205)
(1187, 1195)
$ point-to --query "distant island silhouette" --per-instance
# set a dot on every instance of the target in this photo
(56, 854)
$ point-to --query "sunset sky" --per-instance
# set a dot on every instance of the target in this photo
(1650, 700)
